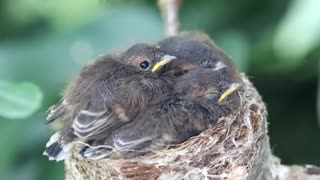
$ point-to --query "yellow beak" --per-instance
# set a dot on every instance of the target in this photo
(165, 60)
(232, 88)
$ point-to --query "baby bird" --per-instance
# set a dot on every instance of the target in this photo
(106, 95)
(148, 98)
(199, 99)
(197, 49)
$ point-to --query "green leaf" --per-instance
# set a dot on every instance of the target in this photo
(298, 32)
(19, 100)
(58, 12)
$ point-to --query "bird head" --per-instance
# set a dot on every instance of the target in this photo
(203, 82)
(148, 58)
(195, 50)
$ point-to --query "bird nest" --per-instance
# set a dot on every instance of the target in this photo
(234, 148)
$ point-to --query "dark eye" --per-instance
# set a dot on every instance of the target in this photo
(144, 64)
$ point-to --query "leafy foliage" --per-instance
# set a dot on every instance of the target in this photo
(19, 100)
(298, 32)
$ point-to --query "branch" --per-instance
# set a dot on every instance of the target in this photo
(170, 15)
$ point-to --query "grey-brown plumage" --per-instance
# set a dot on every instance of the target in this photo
(106, 95)
(197, 49)
(145, 99)
(173, 117)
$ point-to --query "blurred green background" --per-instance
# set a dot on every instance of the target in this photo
(43, 44)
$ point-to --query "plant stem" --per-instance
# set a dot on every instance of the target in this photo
(170, 14)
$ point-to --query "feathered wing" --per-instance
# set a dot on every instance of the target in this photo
(172, 120)
(85, 126)
(56, 115)
(89, 109)
(56, 111)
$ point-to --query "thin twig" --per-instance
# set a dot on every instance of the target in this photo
(170, 15)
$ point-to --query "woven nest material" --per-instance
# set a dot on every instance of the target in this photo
(235, 148)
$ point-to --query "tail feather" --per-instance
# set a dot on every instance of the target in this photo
(55, 150)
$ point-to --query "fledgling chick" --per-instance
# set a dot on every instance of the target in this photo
(206, 84)
(197, 49)
(138, 90)
(105, 96)
(199, 99)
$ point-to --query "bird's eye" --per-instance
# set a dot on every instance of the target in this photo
(144, 64)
